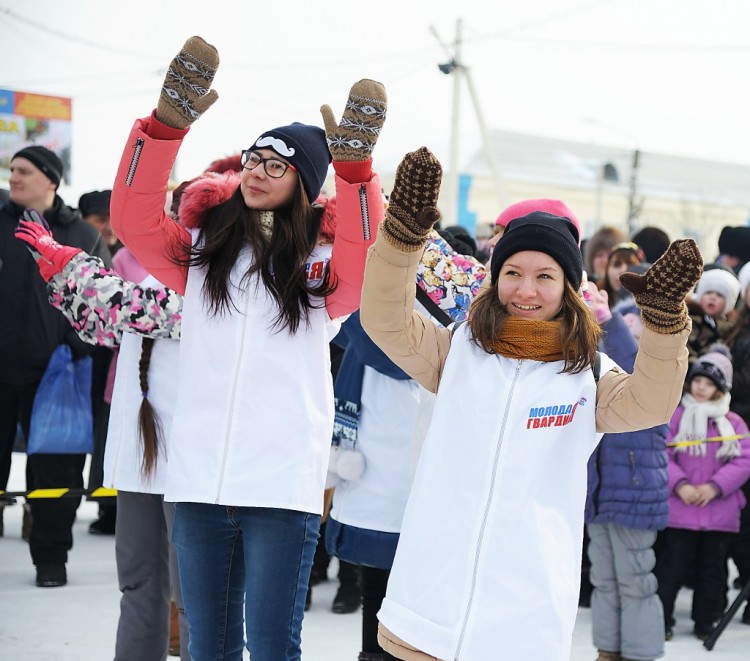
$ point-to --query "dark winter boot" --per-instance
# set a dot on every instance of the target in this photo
(348, 597)
(105, 523)
(609, 656)
(51, 576)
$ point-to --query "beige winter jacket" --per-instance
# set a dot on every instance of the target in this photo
(624, 402)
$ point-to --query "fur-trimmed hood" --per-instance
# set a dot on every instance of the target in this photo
(203, 193)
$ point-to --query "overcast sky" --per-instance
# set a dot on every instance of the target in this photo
(668, 76)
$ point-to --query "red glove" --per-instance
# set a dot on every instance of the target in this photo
(50, 256)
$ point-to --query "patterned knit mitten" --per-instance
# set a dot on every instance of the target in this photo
(412, 207)
(354, 138)
(185, 95)
(660, 292)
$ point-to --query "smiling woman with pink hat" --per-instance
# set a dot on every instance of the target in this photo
(500, 519)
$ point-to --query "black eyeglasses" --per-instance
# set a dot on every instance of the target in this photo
(273, 167)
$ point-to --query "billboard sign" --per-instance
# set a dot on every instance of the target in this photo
(34, 119)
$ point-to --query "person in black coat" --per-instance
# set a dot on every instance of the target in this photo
(30, 332)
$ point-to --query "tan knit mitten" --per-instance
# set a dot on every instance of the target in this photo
(660, 292)
(412, 206)
(354, 138)
(186, 92)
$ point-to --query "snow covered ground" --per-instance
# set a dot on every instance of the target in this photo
(78, 622)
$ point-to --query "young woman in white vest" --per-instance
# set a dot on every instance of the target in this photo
(253, 420)
(488, 562)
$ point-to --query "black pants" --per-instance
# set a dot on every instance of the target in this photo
(15, 406)
(374, 583)
(739, 546)
(682, 550)
(52, 519)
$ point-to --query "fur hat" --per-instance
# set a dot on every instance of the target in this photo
(45, 159)
(553, 235)
(305, 147)
(525, 207)
(716, 365)
(722, 282)
(735, 241)
(96, 202)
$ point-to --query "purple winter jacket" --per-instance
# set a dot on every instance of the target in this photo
(722, 513)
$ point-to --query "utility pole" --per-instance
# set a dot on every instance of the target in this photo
(634, 207)
(451, 178)
(456, 67)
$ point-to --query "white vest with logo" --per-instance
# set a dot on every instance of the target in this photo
(254, 414)
(488, 563)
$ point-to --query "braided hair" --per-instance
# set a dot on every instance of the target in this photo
(149, 425)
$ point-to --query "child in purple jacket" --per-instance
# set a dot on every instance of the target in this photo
(705, 498)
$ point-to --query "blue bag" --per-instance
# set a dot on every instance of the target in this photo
(61, 419)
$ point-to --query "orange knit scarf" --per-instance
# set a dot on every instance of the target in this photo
(529, 340)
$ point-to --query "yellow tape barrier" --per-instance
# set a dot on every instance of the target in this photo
(100, 492)
(711, 439)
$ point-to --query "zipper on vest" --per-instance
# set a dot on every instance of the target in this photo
(137, 149)
(365, 210)
(233, 399)
(485, 516)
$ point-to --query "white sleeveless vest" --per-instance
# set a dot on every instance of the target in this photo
(254, 413)
(488, 563)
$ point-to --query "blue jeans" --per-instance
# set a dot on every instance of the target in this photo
(259, 556)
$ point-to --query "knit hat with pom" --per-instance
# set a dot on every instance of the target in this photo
(716, 365)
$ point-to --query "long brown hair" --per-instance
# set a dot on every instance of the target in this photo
(149, 424)
(279, 263)
(579, 331)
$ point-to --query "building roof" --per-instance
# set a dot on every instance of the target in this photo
(539, 159)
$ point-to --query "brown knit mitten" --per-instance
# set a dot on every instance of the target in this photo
(185, 95)
(660, 292)
(412, 207)
(354, 138)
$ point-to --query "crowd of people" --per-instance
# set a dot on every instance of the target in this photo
(274, 370)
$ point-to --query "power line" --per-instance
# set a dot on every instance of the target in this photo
(70, 37)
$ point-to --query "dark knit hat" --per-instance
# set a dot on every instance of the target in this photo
(716, 365)
(95, 202)
(555, 236)
(46, 160)
(305, 147)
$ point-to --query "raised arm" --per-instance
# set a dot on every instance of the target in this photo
(358, 192)
(650, 395)
(140, 188)
(410, 340)
(98, 304)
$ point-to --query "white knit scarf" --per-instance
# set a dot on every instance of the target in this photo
(266, 223)
(694, 426)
